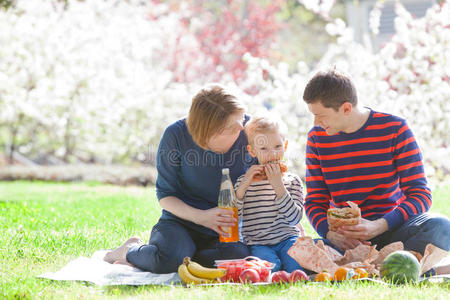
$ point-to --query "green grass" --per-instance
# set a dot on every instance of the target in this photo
(45, 225)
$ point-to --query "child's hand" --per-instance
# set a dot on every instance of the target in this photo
(247, 180)
(275, 178)
(273, 173)
(250, 174)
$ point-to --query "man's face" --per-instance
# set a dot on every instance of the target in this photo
(330, 120)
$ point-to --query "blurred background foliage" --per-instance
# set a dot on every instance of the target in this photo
(96, 82)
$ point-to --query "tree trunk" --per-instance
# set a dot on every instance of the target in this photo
(12, 146)
(14, 130)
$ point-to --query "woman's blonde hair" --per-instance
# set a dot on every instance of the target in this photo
(209, 112)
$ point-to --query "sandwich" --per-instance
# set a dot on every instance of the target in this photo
(263, 176)
(338, 217)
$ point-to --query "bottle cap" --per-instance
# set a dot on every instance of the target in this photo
(225, 171)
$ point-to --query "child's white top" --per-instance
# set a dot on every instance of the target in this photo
(266, 220)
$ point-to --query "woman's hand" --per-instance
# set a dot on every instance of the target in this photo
(213, 218)
(216, 219)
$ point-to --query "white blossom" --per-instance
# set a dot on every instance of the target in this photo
(93, 80)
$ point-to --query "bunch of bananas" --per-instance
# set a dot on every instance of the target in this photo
(193, 273)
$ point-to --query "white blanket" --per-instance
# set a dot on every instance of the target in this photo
(99, 272)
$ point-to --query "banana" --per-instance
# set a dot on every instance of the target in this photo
(200, 271)
(188, 278)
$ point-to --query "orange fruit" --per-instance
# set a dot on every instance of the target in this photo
(360, 273)
(341, 274)
(324, 276)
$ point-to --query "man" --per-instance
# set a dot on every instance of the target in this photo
(370, 158)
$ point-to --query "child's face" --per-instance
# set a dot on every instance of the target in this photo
(267, 147)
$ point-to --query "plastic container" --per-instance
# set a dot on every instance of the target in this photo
(235, 267)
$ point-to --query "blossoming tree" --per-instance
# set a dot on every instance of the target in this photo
(100, 80)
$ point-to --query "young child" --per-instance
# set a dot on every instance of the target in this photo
(270, 208)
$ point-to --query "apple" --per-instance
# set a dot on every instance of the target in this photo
(280, 276)
(249, 276)
(298, 275)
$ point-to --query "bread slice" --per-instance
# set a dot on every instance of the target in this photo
(338, 217)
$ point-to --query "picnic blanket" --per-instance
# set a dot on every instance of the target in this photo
(99, 272)
(318, 257)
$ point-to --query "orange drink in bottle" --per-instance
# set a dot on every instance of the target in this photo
(227, 200)
(233, 230)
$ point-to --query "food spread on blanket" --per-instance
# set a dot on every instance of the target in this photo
(321, 258)
(391, 262)
(247, 270)
(338, 217)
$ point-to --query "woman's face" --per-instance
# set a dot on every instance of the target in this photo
(221, 142)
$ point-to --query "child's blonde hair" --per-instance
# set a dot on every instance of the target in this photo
(264, 123)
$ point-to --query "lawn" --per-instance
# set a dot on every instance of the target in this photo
(45, 225)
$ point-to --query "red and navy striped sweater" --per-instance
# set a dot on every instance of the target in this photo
(379, 167)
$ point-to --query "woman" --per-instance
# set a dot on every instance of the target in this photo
(190, 157)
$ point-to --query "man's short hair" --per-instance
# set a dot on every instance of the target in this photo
(209, 113)
(331, 88)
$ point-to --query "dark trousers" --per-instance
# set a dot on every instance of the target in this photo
(171, 241)
(417, 232)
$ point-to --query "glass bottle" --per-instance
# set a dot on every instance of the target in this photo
(227, 200)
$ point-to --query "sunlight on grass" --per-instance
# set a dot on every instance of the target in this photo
(45, 225)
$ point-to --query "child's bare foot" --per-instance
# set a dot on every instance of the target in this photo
(119, 254)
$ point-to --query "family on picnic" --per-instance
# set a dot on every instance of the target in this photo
(353, 153)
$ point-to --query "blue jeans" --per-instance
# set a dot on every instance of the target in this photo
(417, 232)
(171, 241)
(277, 254)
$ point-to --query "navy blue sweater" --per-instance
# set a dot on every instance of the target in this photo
(193, 174)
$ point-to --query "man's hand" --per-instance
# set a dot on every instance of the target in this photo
(275, 177)
(216, 218)
(343, 242)
(365, 230)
